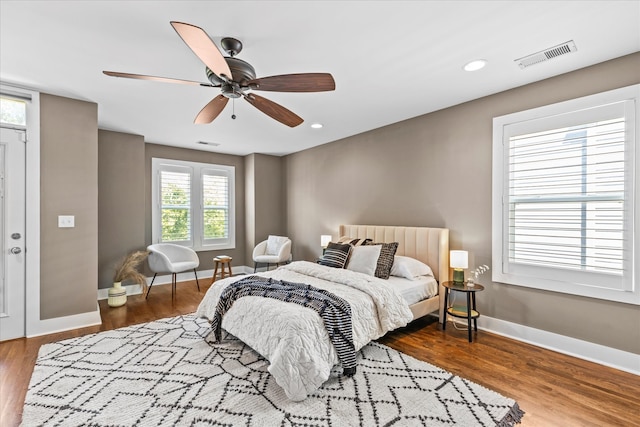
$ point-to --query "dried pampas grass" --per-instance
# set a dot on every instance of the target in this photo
(126, 269)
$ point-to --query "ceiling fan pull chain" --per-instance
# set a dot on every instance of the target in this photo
(233, 105)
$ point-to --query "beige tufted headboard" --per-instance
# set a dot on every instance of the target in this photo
(429, 245)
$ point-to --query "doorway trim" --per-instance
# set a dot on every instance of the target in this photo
(32, 206)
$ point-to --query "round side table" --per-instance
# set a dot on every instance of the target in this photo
(469, 312)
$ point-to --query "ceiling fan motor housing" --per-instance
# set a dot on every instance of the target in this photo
(242, 72)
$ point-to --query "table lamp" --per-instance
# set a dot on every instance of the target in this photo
(324, 242)
(458, 260)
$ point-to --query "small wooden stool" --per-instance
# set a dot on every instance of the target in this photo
(221, 261)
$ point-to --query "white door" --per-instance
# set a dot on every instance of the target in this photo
(12, 229)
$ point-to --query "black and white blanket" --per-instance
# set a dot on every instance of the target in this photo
(293, 338)
(334, 311)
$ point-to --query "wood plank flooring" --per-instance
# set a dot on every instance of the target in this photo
(553, 389)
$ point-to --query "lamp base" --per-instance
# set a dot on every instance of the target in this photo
(458, 275)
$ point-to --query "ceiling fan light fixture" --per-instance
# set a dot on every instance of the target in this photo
(231, 91)
(317, 125)
(475, 65)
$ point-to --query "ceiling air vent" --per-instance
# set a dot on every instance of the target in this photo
(213, 144)
(547, 54)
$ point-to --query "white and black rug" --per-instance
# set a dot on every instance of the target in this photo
(164, 373)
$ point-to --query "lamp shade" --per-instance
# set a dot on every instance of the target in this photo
(324, 240)
(458, 259)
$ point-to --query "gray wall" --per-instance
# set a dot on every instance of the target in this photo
(166, 152)
(265, 199)
(125, 199)
(435, 170)
(68, 186)
(250, 205)
(121, 200)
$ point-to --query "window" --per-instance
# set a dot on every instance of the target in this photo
(193, 204)
(13, 112)
(565, 204)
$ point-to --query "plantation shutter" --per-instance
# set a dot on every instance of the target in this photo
(175, 189)
(569, 198)
(215, 194)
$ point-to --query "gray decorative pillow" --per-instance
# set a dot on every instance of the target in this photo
(274, 243)
(385, 260)
(335, 255)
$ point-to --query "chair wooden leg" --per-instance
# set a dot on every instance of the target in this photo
(255, 267)
(149, 290)
(197, 283)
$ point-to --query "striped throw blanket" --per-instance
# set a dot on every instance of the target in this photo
(334, 311)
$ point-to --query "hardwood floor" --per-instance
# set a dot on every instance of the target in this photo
(553, 389)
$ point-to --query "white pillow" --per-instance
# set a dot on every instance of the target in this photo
(364, 259)
(274, 243)
(409, 268)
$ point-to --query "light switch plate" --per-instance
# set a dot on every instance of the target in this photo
(66, 221)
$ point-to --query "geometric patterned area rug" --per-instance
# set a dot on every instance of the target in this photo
(165, 373)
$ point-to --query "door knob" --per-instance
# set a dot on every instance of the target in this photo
(15, 250)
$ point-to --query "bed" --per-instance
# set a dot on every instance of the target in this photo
(293, 337)
(426, 244)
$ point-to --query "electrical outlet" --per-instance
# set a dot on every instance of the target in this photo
(66, 221)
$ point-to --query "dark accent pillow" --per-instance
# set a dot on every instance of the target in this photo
(385, 260)
(335, 255)
(345, 240)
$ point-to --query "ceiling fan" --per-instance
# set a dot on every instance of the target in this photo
(236, 78)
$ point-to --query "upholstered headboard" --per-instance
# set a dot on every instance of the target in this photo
(429, 245)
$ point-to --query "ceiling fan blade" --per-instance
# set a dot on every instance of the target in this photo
(305, 82)
(273, 110)
(211, 110)
(156, 79)
(204, 48)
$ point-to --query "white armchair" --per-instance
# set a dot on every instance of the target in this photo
(275, 250)
(174, 259)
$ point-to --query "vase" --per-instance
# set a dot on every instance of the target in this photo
(117, 295)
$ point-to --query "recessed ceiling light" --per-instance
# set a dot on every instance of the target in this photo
(475, 65)
(316, 125)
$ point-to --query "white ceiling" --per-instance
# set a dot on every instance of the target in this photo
(391, 60)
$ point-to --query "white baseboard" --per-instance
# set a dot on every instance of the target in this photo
(61, 324)
(603, 355)
(165, 279)
(92, 318)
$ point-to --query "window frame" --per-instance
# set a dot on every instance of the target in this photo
(576, 283)
(196, 171)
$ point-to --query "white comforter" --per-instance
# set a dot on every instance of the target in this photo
(293, 337)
